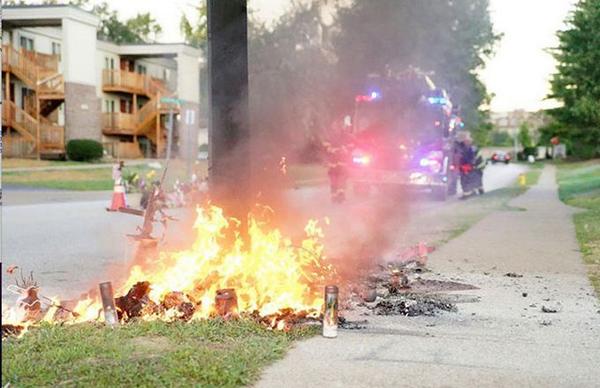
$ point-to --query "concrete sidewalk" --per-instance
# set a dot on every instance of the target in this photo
(504, 339)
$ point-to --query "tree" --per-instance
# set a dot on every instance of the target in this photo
(450, 38)
(577, 82)
(306, 68)
(142, 28)
(292, 79)
(524, 136)
(500, 139)
(195, 34)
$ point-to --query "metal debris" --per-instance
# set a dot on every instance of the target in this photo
(513, 275)
(549, 309)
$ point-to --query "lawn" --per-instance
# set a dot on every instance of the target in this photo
(100, 178)
(26, 163)
(93, 179)
(144, 354)
(579, 185)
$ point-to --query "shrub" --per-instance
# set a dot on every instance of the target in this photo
(84, 150)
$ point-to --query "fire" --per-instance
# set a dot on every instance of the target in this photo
(270, 274)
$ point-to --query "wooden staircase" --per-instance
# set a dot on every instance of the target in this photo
(147, 120)
(37, 132)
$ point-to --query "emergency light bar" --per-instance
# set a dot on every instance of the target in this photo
(368, 97)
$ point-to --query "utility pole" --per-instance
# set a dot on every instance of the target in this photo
(229, 132)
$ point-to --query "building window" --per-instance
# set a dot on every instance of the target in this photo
(26, 43)
(56, 50)
(141, 69)
(109, 63)
(109, 106)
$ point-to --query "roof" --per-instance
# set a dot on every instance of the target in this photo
(45, 15)
(51, 15)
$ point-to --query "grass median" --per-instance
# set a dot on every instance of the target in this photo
(579, 186)
(92, 179)
(144, 354)
(100, 178)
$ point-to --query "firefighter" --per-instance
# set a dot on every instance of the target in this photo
(338, 150)
(471, 165)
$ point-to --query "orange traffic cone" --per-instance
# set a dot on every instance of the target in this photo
(118, 197)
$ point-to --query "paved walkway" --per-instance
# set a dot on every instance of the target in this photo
(502, 340)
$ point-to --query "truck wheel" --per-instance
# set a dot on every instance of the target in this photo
(361, 189)
(440, 193)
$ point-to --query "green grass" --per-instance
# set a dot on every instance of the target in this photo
(100, 178)
(94, 179)
(460, 216)
(26, 163)
(579, 185)
(144, 354)
(532, 177)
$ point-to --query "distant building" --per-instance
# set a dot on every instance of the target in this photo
(511, 121)
(60, 83)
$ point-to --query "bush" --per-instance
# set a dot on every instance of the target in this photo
(84, 150)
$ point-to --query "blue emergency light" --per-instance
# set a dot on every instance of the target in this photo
(437, 100)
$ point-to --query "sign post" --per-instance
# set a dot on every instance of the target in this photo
(172, 101)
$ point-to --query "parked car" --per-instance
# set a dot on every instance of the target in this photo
(500, 157)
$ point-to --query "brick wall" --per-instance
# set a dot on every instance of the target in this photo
(83, 115)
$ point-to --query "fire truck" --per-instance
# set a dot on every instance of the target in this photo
(403, 128)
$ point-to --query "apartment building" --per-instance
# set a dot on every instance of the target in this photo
(61, 83)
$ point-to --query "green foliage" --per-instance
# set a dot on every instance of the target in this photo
(195, 31)
(579, 185)
(500, 139)
(577, 82)
(525, 136)
(142, 28)
(84, 150)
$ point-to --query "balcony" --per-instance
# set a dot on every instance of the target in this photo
(131, 82)
(115, 123)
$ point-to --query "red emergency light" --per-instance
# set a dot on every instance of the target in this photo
(367, 97)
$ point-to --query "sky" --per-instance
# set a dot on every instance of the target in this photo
(517, 75)
(520, 71)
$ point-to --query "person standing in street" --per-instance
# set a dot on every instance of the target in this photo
(471, 165)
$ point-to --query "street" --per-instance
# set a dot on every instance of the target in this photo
(209, 193)
(71, 242)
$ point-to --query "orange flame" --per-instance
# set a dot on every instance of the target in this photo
(269, 275)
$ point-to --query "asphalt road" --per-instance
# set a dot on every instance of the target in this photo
(71, 242)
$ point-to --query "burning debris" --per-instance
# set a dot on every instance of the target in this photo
(9, 330)
(273, 280)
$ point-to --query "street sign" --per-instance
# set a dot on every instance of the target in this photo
(171, 100)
